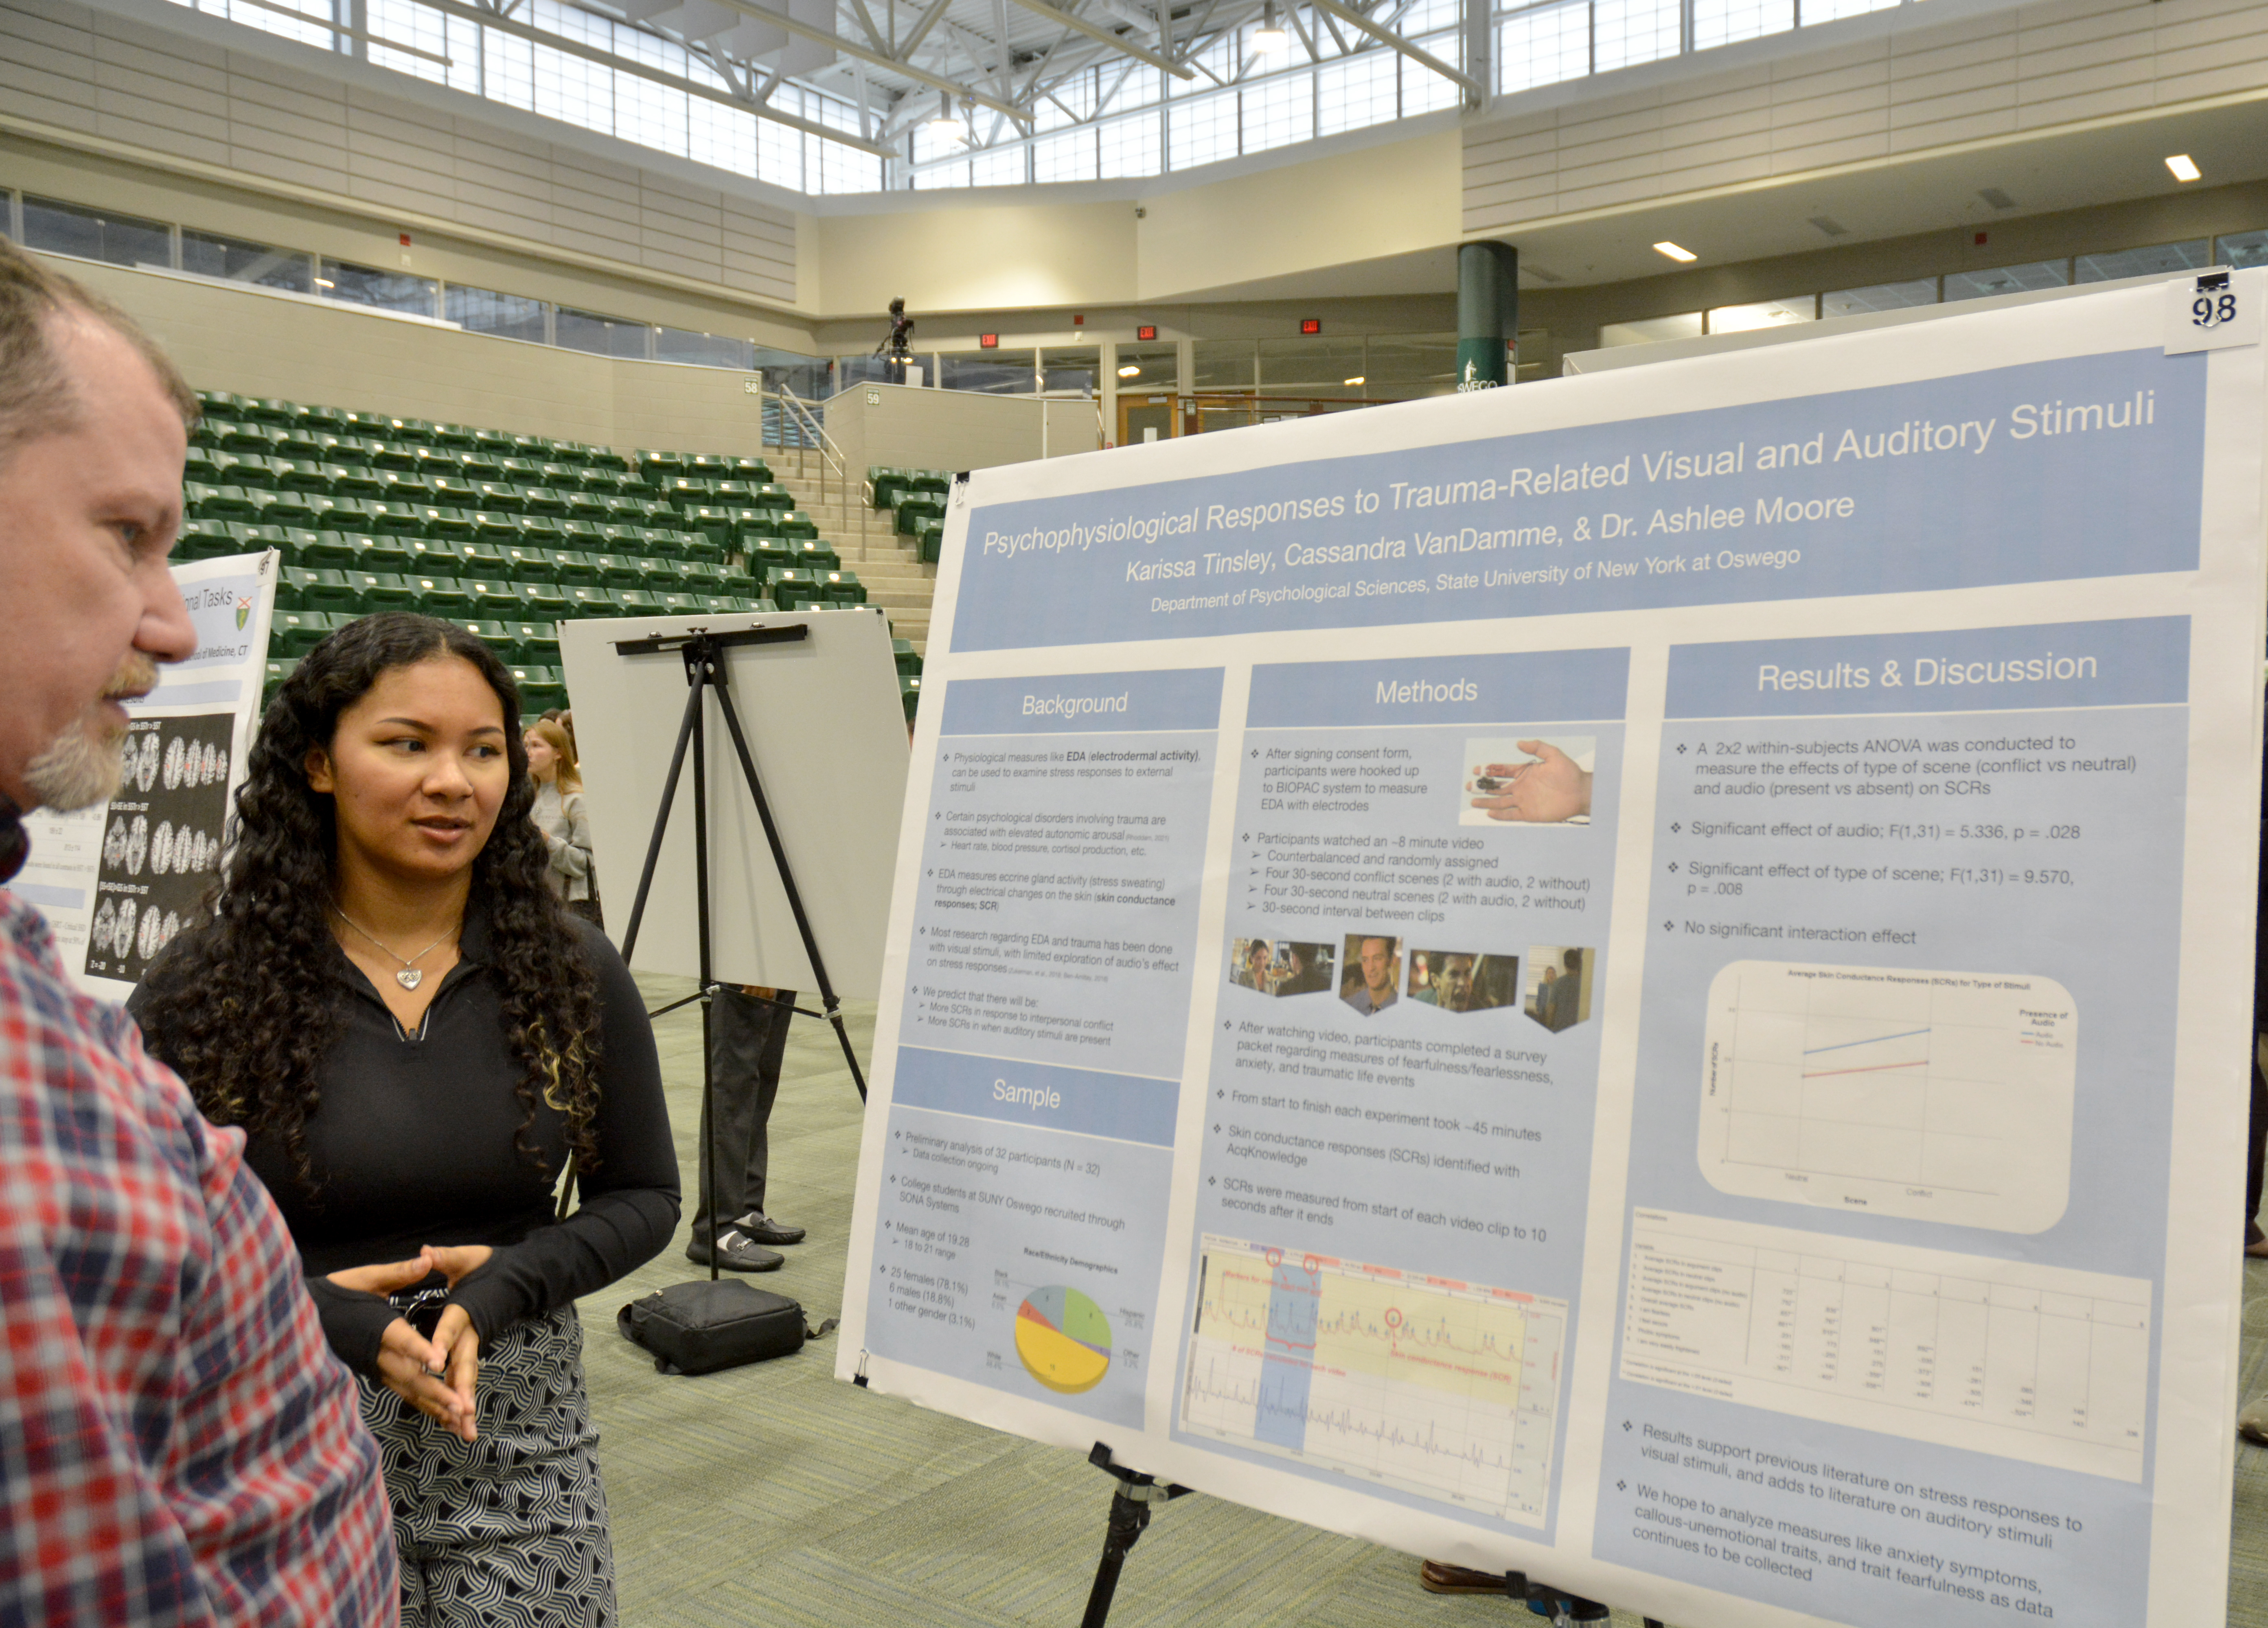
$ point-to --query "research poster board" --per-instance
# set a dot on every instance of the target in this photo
(1645, 978)
(117, 881)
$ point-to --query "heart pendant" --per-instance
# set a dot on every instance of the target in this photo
(410, 977)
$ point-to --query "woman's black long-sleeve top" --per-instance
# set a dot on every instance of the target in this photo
(412, 1143)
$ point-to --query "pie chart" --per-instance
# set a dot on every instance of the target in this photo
(1063, 1340)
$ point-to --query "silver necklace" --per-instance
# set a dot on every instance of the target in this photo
(409, 977)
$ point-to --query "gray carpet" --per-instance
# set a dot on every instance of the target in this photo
(774, 1495)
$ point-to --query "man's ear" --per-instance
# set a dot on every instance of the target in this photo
(318, 765)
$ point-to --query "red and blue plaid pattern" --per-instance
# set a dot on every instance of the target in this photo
(177, 1443)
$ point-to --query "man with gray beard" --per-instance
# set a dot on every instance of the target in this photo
(178, 1447)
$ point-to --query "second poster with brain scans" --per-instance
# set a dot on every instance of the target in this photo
(1631, 980)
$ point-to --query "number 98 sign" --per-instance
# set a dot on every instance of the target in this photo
(2211, 311)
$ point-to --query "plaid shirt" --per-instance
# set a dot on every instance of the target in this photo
(177, 1444)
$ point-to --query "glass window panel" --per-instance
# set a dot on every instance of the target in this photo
(1129, 147)
(1154, 367)
(811, 377)
(2241, 249)
(1010, 168)
(2050, 274)
(708, 350)
(2141, 262)
(1426, 17)
(1069, 157)
(407, 23)
(1548, 46)
(846, 169)
(1828, 10)
(723, 138)
(209, 255)
(508, 69)
(1201, 132)
(943, 175)
(385, 290)
(1402, 365)
(1279, 112)
(1137, 87)
(993, 372)
(649, 114)
(1424, 91)
(312, 32)
(1358, 91)
(573, 91)
(1771, 313)
(1881, 296)
(484, 311)
(1721, 22)
(95, 234)
(1222, 364)
(1311, 367)
(1685, 325)
(1068, 368)
(1633, 30)
(601, 336)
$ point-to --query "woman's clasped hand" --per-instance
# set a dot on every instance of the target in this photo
(436, 1376)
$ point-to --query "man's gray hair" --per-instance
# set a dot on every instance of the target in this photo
(35, 393)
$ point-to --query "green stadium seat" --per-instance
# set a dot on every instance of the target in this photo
(496, 527)
(452, 435)
(202, 539)
(539, 687)
(815, 555)
(841, 587)
(588, 599)
(456, 525)
(659, 511)
(543, 601)
(434, 461)
(279, 668)
(444, 597)
(329, 590)
(258, 440)
(528, 564)
(748, 525)
(794, 524)
(606, 458)
(910, 692)
(659, 468)
(908, 659)
(533, 449)
(661, 542)
(401, 456)
(745, 582)
(777, 498)
(618, 571)
(539, 641)
(307, 475)
(202, 467)
(677, 604)
(709, 521)
(542, 500)
(793, 589)
(731, 494)
(935, 482)
(435, 556)
(709, 467)
(586, 537)
(479, 465)
(578, 504)
(694, 546)
(493, 442)
(699, 576)
(483, 558)
(398, 555)
(541, 532)
(685, 492)
(220, 401)
(416, 430)
(326, 551)
(625, 510)
(518, 471)
(755, 470)
(496, 598)
(369, 426)
(273, 410)
(293, 634)
(773, 554)
(394, 518)
(499, 497)
(637, 602)
(359, 482)
(918, 508)
(389, 590)
(500, 638)
(453, 491)
(558, 476)
(311, 509)
(731, 604)
(929, 538)
(224, 503)
(573, 569)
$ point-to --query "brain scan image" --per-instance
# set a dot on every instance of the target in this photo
(121, 937)
(137, 844)
(176, 749)
(106, 922)
(145, 937)
(219, 752)
(146, 765)
(173, 925)
(161, 848)
(114, 843)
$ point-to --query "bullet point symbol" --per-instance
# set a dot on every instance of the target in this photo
(1681, 752)
(1673, 867)
(1673, 825)
(1669, 927)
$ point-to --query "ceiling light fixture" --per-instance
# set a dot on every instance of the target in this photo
(946, 125)
(2183, 166)
(1130, 371)
(1270, 37)
(1358, 379)
(1675, 253)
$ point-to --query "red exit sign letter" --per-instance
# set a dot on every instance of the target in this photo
(1311, 325)
(989, 341)
(1145, 333)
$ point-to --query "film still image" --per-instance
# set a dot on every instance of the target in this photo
(1281, 966)
(1464, 981)
(1559, 984)
(1373, 972)
(1528, 781)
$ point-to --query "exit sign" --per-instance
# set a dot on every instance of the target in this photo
(989, 341)
(1145, 333)
(1311, 325)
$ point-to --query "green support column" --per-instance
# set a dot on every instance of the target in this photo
(1488, 312)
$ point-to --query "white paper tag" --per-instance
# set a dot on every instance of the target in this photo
(2211, 311)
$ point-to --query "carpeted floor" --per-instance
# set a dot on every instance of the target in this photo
(774, 1495)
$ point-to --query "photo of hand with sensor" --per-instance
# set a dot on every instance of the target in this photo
(1547, 790)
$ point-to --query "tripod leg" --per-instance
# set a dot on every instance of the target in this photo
(1127, 1520)
(787, 879)
(662, 818)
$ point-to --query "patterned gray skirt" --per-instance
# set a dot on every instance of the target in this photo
(508, 1530)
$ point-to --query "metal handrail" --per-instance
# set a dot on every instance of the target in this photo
(830, 453)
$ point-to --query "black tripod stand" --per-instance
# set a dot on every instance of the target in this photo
(704, 675)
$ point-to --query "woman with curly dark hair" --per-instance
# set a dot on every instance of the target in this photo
(420, 1043)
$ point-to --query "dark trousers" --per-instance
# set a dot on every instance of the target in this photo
(2256, 1152)
(747, 1038)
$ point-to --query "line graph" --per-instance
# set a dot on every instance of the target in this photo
(1941, 1096)
(1444, 1389)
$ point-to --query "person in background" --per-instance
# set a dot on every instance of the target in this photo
(420, 1041)
(747, 1043)
(180, 1450)
(558, 814)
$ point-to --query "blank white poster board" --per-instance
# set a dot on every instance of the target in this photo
(1645, 977)
(826, 730)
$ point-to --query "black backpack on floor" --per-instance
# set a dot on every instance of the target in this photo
(699, 1328)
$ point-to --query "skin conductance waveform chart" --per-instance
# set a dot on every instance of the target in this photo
(1936, 1096)
(1447, 1390)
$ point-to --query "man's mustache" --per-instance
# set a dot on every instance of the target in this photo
(136, 675)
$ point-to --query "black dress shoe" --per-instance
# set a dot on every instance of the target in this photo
(764, 1229)
(736, 1253)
